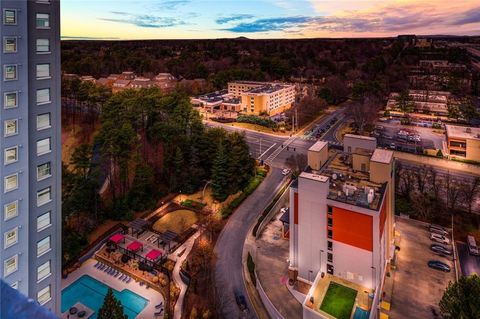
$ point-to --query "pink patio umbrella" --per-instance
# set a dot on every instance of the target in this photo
(135, 246)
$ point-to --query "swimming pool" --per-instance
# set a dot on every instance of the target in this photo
(91, 293)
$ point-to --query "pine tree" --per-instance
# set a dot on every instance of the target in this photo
(112, 308)
(461, 299)
(220, 179)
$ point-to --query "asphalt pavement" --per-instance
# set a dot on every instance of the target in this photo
(468, 264)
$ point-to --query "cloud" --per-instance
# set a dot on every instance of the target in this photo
(471, 16)
(172, 4)
(270, 24)
(144, 20)
(72, 37)
(233, 17)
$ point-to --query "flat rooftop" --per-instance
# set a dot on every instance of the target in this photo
(368, 138)
(382, 156)
(266, 89)
(466, 132)
(319, 145)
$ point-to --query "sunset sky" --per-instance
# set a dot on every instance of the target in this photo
(199, 19)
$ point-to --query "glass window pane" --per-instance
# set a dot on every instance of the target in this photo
(11, 155)
(43, 45)
(43, 20)
(43, 271)
(10, 265)
(10, 237)
(10, 127)
(10, 72)
(43, 171)
(10, 210)
(44, 196)
(44, 296)
(43, 246)
(43, 221)
(43, 96)
(11, 182)
(10, 100)
(10, 44)
(43, 121)
(43, 146)
(9, 16)
(43, 70)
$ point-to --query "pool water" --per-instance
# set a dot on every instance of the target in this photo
(91, 293)
(360, 313)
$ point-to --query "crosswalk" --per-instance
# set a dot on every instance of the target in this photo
(279, 149)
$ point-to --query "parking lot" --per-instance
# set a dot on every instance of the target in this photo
(417, 289)
(388, 136)
(469, 264)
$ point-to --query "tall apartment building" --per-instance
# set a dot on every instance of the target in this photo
(341, 224)
(30, 142)
(260, 97)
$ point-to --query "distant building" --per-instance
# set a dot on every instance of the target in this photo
(140, 83)
(165, 81)
(425, 101)
(220, 100)
(341, 224)
(261, 97)
(463, 142)
(120, 85)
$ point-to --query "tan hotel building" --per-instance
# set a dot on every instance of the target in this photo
(261, 97)
(463, 142)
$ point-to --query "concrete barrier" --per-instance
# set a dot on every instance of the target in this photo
(272, 311)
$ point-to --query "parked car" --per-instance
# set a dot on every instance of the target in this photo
(440, 231)
(392, 146)
(472, 245)
(435, 264)
(439, 238)
(283, 210)
(241, 302)
(439, 249)
(285, 171)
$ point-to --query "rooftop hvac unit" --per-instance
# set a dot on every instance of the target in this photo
(334, 176)
(370, 196)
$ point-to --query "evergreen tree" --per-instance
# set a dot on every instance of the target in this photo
(220, 175)
(462, 299)
(112, 308)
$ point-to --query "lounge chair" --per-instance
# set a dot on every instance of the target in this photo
(96, 264)
(158, 313)
(81, 314)
(128, 280)
(160, 305)
(121, 277)
(117, 274)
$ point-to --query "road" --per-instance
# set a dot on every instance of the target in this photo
(229, 246)
(469, 264)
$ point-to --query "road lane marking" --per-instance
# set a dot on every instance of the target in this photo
(267, 150)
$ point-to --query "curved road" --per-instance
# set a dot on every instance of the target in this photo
(229, 247)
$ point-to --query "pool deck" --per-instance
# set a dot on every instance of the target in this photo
(153, 296)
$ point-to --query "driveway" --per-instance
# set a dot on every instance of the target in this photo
(469, 264)
(229, 247)
(417, 289)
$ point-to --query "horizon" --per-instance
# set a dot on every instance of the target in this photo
(265, 19)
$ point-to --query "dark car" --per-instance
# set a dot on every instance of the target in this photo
(435, 264)
(241, 302)
(439, 249)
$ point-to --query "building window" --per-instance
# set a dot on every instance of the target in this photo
(330, 221)
(10, 72)
(10, 238)
(11, 155)
(43, 146)
(10, 265)
(43, 171)
(10, 127)
(44, 196)
(43, 71)
(330, 233)
(44, 221)
(10, 100)
(43, 246)
(43, 271)
(9, 44)
(43, 21)
(329, 209)
(329, 257)
(330, 269)
(330, 245)
(43, 121)
(10, 210)
(43, 46)
(44, 296)
(11, 182)
(9, 16)
(43, 96)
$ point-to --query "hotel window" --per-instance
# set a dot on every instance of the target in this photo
(44, 171)
(330, 233)
(9, 44)
(43, 71)
(10, 210)
(44, 296)
(330, 245)
(329, 210)
(43, 271)
(9, 16)
(10, 265)
(11, 182)
(10, 127)
(330, 221)
(10, 238)
(43, 146)
(11, 155)
(43, 21)
(10, 72)
(43, 96)
(43, 121)
(43, 246)
(44, 221)
(43, 45)
(330, 269)
(10, 100)
(330, 257)
(44, 196)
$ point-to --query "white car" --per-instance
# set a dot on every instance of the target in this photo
(285, 171)
(439, 238)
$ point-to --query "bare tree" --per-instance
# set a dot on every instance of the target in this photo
(469, 192)
(421, 178)
(452, 192)
(365, 112)
(421, 204)
(297, 163)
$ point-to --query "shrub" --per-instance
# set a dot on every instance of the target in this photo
(252, 119)
(251, 269)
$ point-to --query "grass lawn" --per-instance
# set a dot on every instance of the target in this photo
(339, 301)
(177, 221)
(258, 128)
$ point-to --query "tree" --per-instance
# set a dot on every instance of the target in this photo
(461, 299)
(112, 308)
(404, 102)
(297, 163)
(469, 191)
(220, 180)
(365, 112)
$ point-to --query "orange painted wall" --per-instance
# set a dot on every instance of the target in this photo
(383, 216)
(352, 228)
(295, 208)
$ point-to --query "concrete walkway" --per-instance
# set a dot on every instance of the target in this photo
(187, 246)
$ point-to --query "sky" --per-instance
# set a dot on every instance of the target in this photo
(207, 19)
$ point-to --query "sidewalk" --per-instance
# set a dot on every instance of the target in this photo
(177, 312)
